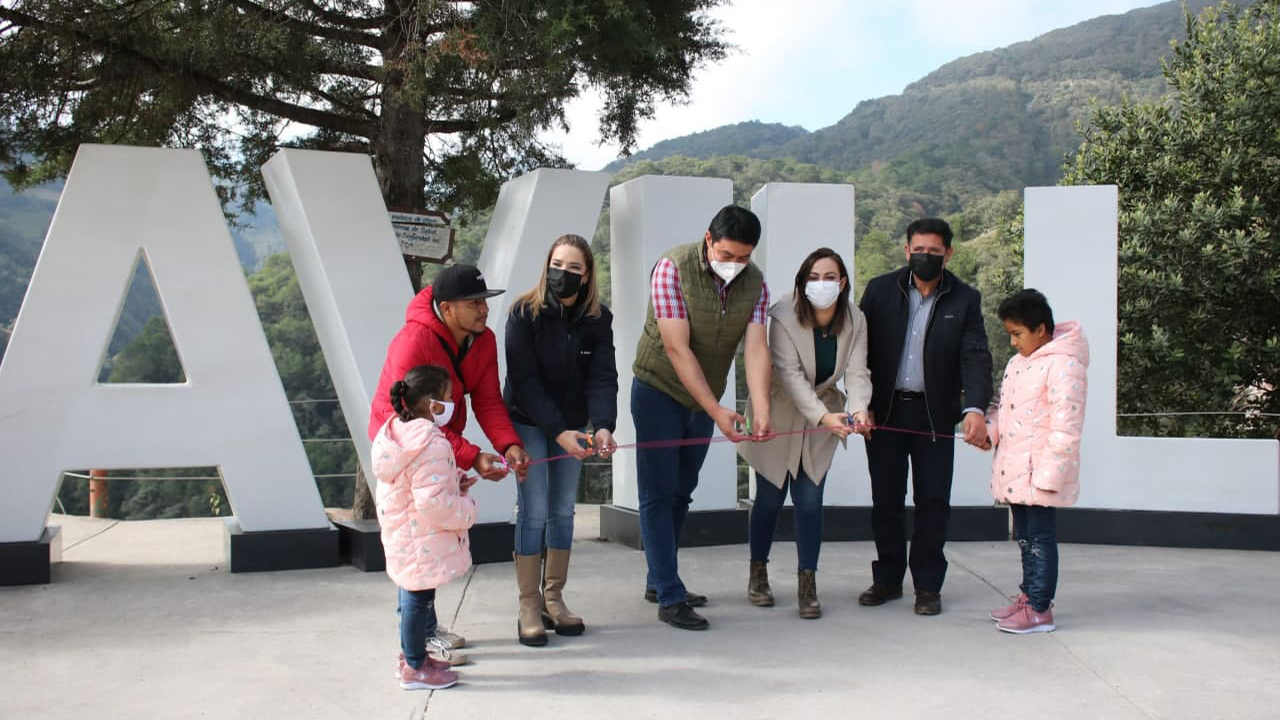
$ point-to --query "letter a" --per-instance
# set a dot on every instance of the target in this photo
(120, 202)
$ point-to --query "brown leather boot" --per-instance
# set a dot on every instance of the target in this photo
(529, 580)
(758, 591)
(556, 614)
(810, 608)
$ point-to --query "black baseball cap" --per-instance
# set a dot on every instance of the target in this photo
(461, 282)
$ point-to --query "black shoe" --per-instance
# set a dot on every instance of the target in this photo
(879, 594)
(682, 616)
(693, 599)
(928, 603)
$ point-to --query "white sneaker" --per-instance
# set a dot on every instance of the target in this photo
(455, 640)
(442, 651)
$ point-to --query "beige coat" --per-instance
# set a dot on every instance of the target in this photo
(796, 404)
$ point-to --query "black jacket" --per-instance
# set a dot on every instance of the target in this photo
(561, 372)
(957, 360)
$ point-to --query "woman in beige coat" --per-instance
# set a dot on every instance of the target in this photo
(816, 337)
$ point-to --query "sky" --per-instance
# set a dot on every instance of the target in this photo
(811, 66)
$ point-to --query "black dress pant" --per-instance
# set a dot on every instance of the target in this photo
(931, 460)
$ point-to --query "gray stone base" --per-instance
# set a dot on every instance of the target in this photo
(839, 524)
(492, 542)
(853, 524)
(279, 549)
(31, 563)
(702, 528)
(360, 543)
(1221, 531)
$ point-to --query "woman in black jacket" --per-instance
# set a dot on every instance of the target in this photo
(561, 377)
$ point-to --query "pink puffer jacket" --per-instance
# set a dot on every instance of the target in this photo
(423, 513)
(1036, 427)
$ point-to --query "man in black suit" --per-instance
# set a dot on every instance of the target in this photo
(930, 369)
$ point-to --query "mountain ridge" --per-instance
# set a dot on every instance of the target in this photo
(1018, 104)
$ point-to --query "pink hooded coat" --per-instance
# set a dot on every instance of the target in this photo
(423, 513)
(1036, 427)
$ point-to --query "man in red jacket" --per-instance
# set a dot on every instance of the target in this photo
(445, 326)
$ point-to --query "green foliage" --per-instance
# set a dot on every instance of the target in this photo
(149, 358)
(992, 262)
(238, 79)
(302, 368)
(1199, 183)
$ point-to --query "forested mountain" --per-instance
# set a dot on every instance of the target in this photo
(993, 121)
(742, 138)
(24, 221)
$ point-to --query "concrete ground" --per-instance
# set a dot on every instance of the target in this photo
(142, 622)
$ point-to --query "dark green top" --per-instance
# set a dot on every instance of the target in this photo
(716, 325)
(824, 353)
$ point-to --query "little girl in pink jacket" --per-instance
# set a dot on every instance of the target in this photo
(424, 511)
(1036, 432)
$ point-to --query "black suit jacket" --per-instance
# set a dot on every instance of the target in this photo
(957, 360)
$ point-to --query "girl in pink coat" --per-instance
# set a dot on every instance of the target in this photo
(424, 511)
(1036, 432)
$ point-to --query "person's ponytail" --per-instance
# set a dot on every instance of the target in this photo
(398, 389)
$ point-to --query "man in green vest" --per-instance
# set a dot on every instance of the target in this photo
(705, 297)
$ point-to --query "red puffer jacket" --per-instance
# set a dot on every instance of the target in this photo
(422, 341)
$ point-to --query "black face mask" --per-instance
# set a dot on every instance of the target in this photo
(925, 266)
(562, 283)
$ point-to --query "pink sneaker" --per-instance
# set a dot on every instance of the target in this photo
(1018, 601)
(1027, 620)
(431, 676)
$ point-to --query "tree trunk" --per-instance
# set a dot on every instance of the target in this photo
(401, 170)
(362, 507)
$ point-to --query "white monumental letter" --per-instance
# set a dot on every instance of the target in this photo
(799, 218)
(1071, 256)
(350, 268)
(532, 211)
(648, 216)
(231, 412)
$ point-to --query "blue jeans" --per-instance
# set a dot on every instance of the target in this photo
(806, 497)
(545, 498)
(417, 621)
(1035, 527)
(666, 478)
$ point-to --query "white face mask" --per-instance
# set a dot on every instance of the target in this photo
(444, 416)
(727, 270)
(822, 293)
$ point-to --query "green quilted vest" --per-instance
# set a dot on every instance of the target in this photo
(715, 329)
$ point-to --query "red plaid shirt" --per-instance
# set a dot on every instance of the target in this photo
(668, 301)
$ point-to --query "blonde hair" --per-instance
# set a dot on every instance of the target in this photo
(536, 299)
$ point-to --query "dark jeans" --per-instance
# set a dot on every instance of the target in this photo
(806, 498)
(932, 460)
(417, 622)
(665, 478)
(1036, 529)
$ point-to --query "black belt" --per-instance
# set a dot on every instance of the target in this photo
(908, 395)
